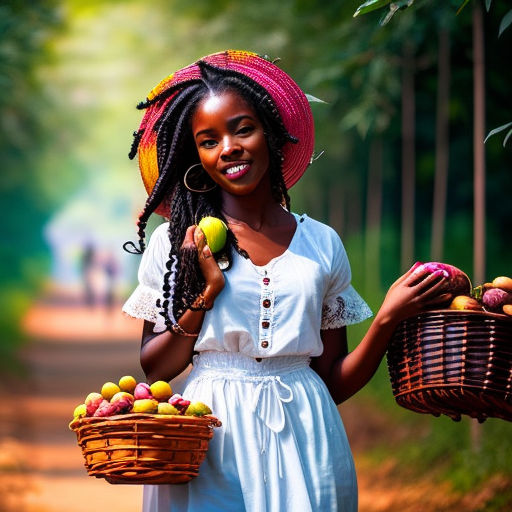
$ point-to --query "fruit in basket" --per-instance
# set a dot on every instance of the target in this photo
(123, 402)
(215, 232)
(495, 298)
(197, 409)
(179, 402)
(92, 402)
(80, 411)
(105, 409)
(161, 390)
(109, 389)
(142, 391)
(458, 282)
(167, 408)
(507, 309)
(149, 405)
(127, 383)
(465, 303)
(503, 282)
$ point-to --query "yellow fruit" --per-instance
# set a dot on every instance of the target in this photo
(166, 408)
(197, 409)
(145, 405)
(215, 232)
(127, 383)
(503, 282)
(109, 389)
(463, 302)
(507, 309)
(161, 390)
(80, 411)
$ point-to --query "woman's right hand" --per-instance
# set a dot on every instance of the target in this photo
(212, 274)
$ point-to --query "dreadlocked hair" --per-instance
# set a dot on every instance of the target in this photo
(176, 152)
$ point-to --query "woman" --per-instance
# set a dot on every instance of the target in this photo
(227, 136)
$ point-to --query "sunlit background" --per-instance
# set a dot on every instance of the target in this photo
(71, 74)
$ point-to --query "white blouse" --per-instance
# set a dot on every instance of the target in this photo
(263, 311)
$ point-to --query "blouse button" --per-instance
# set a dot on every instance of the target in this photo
(266, 280)
(264, 344)
(266, 303)
(265, 324)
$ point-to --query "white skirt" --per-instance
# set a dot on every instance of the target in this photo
(282, 446)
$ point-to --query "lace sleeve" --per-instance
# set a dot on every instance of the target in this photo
(341, 305)
(347, 308)
(142, 302)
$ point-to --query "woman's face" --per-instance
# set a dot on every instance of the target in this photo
(231, 143)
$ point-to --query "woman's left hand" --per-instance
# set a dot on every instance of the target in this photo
(413, 293)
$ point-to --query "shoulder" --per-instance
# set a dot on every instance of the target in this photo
(321, 235)
(159, 244)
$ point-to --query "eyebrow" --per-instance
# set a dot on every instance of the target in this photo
(232, 123)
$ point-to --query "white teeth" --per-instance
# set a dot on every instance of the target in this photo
(235, 169)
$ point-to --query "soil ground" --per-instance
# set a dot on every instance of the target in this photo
(73, 350)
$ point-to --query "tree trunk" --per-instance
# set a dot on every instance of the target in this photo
(373, 218)
(479, 168)
(442, 147)
(408, 158)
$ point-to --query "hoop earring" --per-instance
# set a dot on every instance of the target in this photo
(192, 189)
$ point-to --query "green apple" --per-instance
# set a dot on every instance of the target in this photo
(215, 232)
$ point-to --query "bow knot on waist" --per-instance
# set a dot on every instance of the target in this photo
(267, 403)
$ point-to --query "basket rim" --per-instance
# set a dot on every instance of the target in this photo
(456, 312)
(171, 419)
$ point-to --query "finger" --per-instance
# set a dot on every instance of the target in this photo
(432, 286)
(444, 298)
(199, 239)
(416, 274)
(189, 237)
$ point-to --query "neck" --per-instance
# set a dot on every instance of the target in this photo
(257, 209)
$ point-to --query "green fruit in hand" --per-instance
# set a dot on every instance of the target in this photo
(197, 409)
(215, 232)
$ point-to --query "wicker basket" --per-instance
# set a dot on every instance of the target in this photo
(144, 448)
(453, 362)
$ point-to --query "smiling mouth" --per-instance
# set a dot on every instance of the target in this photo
(237, 171)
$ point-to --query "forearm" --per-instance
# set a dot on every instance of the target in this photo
(352, 372)
(166, 355)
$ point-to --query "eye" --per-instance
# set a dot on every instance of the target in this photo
(208, 143)
(245, 130)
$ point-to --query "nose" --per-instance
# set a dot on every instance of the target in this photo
(231, 147)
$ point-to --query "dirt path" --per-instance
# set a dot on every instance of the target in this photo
(74, 350)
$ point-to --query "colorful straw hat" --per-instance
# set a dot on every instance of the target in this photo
(291, 102)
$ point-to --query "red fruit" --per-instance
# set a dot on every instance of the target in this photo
(105, 409)
(458, 282)
(179, 402)
(92, 402)
(122, 405)
(142, 391)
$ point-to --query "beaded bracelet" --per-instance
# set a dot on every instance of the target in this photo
(200, 304)
(177, 329)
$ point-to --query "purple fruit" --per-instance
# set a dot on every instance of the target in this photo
(142, 391)
(458, 281)
(494, 299)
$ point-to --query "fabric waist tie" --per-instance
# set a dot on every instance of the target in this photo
(270, 392)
